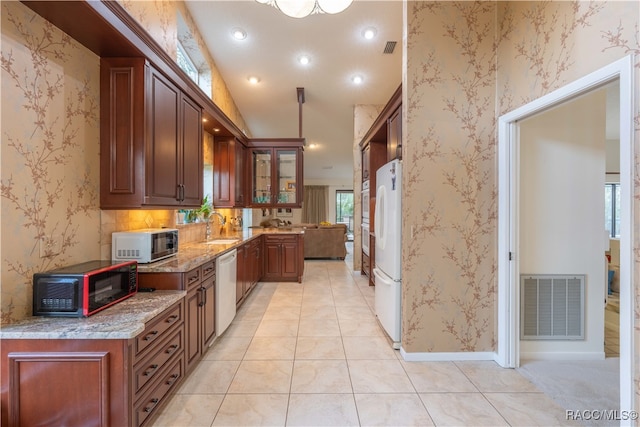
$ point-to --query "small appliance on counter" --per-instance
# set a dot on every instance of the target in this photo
(144, 246)
(82, 290)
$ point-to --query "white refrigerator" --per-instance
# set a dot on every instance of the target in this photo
(388, 248)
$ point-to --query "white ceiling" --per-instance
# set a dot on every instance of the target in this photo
(337, 50)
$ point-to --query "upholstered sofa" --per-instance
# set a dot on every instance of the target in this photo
(325, 241)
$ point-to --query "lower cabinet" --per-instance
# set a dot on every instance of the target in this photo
(249, 268)
(102, 382)
(283, 258)
(200, 308)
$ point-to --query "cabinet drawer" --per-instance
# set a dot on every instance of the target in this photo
(154, 331)
(153, 399)
(366, 264)
(283, 238)
(149, 368)
(192, 278)
(208, 269)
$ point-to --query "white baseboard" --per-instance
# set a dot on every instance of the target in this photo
(557, 355)
(447, 357)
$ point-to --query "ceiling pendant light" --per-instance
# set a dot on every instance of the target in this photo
(302, 8)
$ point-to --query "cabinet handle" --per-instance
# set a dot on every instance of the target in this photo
(203, 290)
(194, 278)
(150, 336)
(150, 370)
(172, 319)
(207, 270)
(172, 379)
(171, 349)
(153, 402)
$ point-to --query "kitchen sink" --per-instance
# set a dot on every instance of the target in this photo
(222, 241)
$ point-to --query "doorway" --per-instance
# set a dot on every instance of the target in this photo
(344, 210)
(509, 232)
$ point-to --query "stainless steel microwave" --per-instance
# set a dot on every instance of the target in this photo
(82, 290)
(144, 246)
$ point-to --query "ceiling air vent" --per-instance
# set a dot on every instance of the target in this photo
(389, 47)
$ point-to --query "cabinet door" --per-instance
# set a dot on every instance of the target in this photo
(223, 172)
(286, 176)
(394, 136)
(366, 162)
(240, 272)
(272, 260)
(208, 312)
(261, 173)
(163, 133)
(290, 260)
(122, 97)
(193, 325)
(239, 175)
(192, 154)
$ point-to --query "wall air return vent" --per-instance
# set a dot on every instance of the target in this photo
(389, 47)
(552, 307)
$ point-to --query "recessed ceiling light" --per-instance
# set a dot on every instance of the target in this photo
(204, 120)
(357, 79)
(216, 129)
(369, 33)
(253, 80)
(239, 34)
(304, 59)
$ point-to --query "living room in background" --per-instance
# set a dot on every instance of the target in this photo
(344, 210)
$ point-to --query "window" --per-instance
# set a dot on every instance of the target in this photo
(344, 209)
(187, 64)
(612, 209)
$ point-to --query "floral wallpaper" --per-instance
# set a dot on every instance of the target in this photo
(49, 158)
(466, 64)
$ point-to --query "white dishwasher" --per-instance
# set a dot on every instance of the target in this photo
(225, 304)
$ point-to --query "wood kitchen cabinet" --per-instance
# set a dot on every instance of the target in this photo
(229, 158)
(283, 258)
(249, 268)
(275, 171)
(102, 382)
(150, 139)
(200, 305)
(394, 135)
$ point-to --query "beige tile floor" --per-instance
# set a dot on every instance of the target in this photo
(312, 354)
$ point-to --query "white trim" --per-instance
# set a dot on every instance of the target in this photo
(508, 322)
(447, 357)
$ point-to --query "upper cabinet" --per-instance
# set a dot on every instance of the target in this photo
(275, 171)
(394, 135)
(229, 160)
(151, 139)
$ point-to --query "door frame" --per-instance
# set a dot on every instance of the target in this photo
(508, 354)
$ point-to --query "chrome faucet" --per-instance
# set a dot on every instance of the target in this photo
(223, 219)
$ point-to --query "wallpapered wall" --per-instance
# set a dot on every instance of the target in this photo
(467, 63)
(50, 145)
(50, 167)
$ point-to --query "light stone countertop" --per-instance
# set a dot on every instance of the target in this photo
(192, 255)
(123, 320)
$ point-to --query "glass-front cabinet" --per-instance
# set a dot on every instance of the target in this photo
(276, 174)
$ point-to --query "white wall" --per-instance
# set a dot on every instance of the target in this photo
(562, 173)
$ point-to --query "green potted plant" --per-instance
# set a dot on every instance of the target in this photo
(204, 212)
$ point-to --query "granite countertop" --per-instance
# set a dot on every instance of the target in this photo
(192, 255)
(123, 320)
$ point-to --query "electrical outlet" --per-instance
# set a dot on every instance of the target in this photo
(50, 246)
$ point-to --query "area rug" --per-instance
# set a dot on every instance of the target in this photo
(586, 385)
